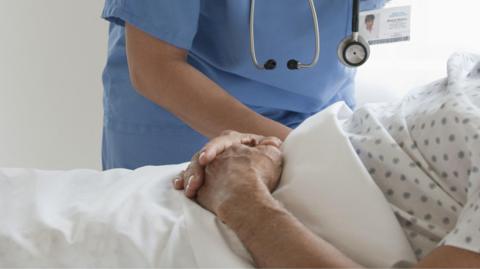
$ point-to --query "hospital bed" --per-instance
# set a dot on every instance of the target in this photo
(123, 218)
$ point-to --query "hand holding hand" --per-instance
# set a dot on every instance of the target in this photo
(192, 179)
(240, 175)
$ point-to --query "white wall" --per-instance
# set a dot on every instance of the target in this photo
(52, 53)
(51, 57)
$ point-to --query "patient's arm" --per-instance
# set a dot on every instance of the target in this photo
(277, 239)
(450, 257)
(237, 189)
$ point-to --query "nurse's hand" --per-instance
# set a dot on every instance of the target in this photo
(192, 179)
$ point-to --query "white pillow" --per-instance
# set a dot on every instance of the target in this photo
(326, 187)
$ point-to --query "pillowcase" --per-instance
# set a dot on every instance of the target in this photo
(325, 185)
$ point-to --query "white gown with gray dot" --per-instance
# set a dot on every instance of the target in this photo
(424, 154)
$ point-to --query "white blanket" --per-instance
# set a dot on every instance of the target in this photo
(124, 218)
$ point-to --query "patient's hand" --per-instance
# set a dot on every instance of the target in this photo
(240, 174)
(192, 179)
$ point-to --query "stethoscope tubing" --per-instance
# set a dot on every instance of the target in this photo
(356, 17)
(316, 28)
(253, 51)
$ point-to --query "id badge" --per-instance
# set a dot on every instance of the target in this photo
(388, 25)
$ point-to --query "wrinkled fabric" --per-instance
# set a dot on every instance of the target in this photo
(124, 218)
(424, 154)
(133, 218)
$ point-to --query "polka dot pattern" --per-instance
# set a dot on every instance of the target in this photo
(424, 154)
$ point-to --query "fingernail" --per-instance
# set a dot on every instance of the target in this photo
(202, 155)
(177, 182)
(189, 182)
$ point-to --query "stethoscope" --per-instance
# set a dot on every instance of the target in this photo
(353, 51)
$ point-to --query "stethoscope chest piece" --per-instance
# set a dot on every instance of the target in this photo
(354, 51)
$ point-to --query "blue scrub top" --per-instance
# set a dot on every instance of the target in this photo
(138, 132)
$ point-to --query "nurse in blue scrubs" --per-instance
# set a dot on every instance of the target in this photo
(179, 72)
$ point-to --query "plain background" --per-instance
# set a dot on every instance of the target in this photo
(52, 53)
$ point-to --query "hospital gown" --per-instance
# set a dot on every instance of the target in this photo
(424, 154)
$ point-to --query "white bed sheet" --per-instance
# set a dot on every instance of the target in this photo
(123, 218)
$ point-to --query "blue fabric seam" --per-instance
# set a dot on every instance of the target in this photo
(125, 127)
(178, 39)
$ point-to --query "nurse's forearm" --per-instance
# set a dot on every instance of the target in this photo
(204, 106)
(159, 71)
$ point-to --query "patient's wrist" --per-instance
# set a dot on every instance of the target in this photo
(241, 197)
(249, 211)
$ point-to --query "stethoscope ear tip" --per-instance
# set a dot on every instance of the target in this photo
(270, 64)
(293, 64)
